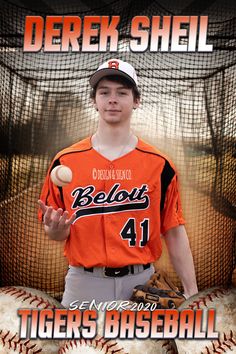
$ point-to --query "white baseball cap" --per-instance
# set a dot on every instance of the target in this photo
(114, 67)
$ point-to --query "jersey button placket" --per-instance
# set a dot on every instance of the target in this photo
(108, 218)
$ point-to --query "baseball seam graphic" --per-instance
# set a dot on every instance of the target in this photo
(15, 343)
(25, 295)
(218, 345)
(207, 298)
(99, 343)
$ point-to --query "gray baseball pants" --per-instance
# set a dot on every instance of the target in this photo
(81, 285)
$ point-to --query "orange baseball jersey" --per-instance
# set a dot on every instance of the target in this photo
(122, 206)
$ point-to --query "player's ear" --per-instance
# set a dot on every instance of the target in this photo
(136, 103)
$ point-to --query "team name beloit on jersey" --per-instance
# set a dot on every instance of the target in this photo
(112, 202)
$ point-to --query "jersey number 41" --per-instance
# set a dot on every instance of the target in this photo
(129, 232)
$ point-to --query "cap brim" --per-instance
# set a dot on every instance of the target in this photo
(98, 75)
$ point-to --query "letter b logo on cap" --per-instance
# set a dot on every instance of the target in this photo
(113, 64)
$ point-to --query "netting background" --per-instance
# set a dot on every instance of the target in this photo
(188, 111)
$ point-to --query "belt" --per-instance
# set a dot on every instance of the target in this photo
(120, 272)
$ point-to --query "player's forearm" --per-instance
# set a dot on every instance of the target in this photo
(186, 272)
(57, 235)
(181, 258)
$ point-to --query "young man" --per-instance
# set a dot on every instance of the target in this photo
(123, 195)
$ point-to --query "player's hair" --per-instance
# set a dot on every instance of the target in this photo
(122, 80)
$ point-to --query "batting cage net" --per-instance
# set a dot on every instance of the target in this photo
(188, 111)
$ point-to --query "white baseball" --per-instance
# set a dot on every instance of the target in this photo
(224, 302)
(11, 299)
(61, 175)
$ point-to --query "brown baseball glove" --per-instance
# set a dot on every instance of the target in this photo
(159, 290)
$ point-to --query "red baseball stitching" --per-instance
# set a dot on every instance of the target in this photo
(218, 346)
(25, 295)
(98, 342)
(12, 341)
(216, 293)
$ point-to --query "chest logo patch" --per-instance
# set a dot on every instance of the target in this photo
(115, 201)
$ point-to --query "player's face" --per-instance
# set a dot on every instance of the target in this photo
(114, 101)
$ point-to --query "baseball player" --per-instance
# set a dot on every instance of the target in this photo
(123, 196)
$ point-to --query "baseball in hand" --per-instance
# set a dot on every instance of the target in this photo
(61, 175)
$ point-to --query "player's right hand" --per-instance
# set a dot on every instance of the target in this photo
(57, 223)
